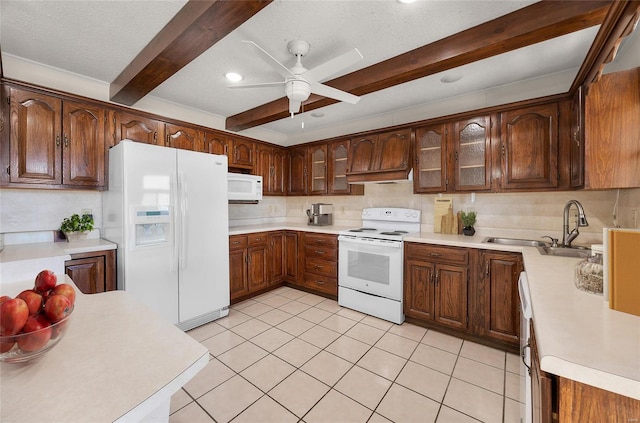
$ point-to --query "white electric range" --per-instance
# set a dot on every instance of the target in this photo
(370, 265)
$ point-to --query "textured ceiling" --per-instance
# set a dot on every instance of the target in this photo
(98, 39)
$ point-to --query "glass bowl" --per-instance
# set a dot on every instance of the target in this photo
(35, 343)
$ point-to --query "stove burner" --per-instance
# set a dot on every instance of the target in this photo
(394, 233)
(362, 230)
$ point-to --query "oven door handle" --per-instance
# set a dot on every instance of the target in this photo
(370, 241)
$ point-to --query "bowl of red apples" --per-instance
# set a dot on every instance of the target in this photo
(35, 320)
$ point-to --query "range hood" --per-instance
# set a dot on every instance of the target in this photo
(380, 177)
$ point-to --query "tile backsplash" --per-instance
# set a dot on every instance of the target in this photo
(24, 210)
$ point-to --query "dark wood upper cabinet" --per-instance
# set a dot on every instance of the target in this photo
(430, 172)
(612, 138)
(471, 139)
(36, 138)
(243, 154)
(271, 165)
(338, 155)
(139, 128)
(297, 183)
(380, 157)
(576, 163)
(214, 143)
(529, 143)
(83, 144)
(182, 137)
(318, 169)
(362, 157)
(54, 142)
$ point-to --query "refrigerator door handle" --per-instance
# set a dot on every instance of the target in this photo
(183, 221)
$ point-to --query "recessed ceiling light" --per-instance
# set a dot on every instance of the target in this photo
(406, 1)
(452, 77)
(233, 76)
(317, 114)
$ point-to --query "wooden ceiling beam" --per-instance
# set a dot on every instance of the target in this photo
(530, 25)
(195, 28)
(619, 22)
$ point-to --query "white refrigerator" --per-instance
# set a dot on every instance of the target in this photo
(167, 210)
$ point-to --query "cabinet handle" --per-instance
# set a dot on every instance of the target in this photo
(319, 252)
(319, 282)
(433, 279)
(486, 268)
(317, 266)
(434, 254)
(437, 278)
(66, 141)
(57, 140)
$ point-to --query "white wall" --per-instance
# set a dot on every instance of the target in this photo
(30, 210)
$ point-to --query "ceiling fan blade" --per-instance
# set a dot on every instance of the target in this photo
(279, 67)
(294, 106)
(333, 66)
(336, 94)
(258, 85)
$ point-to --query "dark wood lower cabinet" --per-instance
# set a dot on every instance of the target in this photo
(93, 272)
(498, 292)
(467, 292)
(265, 260)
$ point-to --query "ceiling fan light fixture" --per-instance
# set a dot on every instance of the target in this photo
(233, 77)
(297, 90)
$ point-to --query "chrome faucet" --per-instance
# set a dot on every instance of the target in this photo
(568, 237)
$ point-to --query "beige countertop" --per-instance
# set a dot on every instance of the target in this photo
(579, 337)
(119, 361)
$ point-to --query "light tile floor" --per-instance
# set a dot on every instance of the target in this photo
(291, 356)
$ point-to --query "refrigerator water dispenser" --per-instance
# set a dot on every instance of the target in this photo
(153, 226)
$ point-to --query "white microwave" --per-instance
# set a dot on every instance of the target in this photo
(244, 187)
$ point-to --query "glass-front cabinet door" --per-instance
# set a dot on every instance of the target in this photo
(318, 166)
(338, 153)
(430, 173)
(472, 143)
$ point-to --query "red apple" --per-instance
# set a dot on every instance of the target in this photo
(33, 299)
(45, 281)
(6, 346)
(37, 332)
(66, 290)
(13, 316)
(4, 298)
(57, 307)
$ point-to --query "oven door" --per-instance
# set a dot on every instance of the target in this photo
(371, 265)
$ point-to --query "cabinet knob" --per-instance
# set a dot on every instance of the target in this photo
(57, 140)
(66, 141)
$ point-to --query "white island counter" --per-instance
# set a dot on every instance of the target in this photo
(119, 361)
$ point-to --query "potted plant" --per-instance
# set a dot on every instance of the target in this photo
(76, 227)
(468, 220)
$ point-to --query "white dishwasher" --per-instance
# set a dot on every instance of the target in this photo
(526, 408)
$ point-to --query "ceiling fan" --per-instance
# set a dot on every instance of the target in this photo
(299, 82)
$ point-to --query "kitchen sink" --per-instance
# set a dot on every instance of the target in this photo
(577, 252)
(516, 241)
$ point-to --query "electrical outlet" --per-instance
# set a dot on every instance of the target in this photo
(634, 217)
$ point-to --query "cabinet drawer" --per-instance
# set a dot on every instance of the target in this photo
(321, 252)
(320, 239)
(438, 254)
(321, 283)
(238, 242)
(257, 239)
(321, 267)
